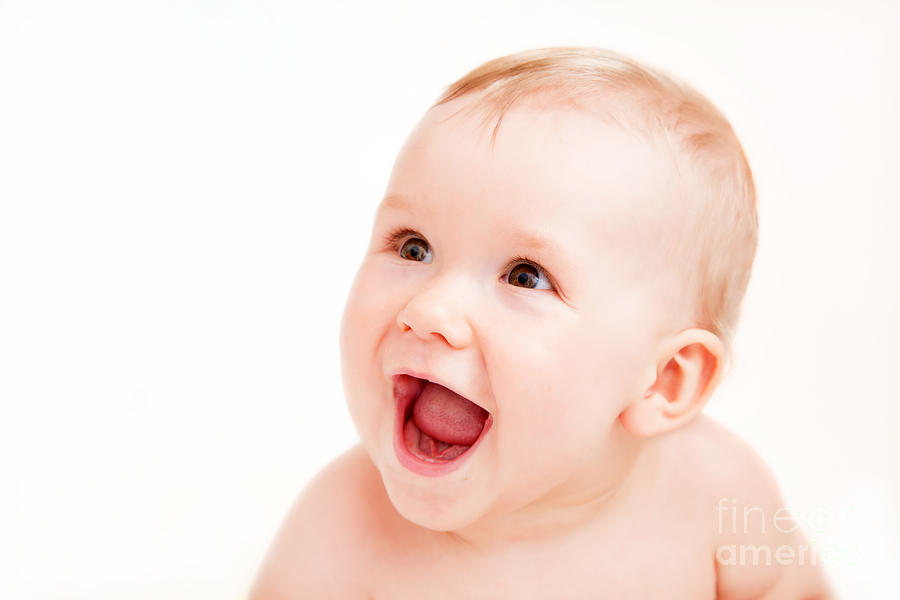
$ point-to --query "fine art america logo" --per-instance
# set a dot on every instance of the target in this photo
(764, 537)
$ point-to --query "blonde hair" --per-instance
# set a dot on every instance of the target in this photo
(718, 242)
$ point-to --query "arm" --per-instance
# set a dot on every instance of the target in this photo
(761, 551)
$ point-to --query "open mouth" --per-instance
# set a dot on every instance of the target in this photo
(435, 426)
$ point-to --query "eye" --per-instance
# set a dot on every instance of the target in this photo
(520, 271)
(528, 274)
(413, 248)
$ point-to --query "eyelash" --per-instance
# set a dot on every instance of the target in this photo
(393, 239)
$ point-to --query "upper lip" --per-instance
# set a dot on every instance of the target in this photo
(434, 379)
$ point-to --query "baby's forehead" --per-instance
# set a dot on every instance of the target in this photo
(550, 168)
(573, 159)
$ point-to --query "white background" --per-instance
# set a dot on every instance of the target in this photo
(186, 191)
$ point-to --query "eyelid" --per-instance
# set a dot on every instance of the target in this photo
(393, 238)
(518, 260)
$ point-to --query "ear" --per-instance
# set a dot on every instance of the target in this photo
(688, 369)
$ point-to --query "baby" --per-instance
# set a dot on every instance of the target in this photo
(546, 304)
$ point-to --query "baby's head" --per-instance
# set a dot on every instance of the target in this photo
(564, 243)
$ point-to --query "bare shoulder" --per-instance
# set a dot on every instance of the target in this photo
(725, 461)
(324, 542)
(704, 461)
(757, 546)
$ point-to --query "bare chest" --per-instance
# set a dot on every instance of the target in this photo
(633, 563)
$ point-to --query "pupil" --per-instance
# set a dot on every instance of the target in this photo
(523, 277)
(411, 249)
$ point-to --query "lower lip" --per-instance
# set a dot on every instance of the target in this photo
(416, 464)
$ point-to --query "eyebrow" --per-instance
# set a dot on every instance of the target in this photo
(536, 241)
(396, 202)
(528, 239)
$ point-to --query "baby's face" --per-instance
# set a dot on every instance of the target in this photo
(527, 279)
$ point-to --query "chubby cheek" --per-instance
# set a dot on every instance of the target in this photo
(560, 383)
(366, 320)
(535, 375)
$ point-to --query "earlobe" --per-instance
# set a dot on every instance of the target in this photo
(687, 371)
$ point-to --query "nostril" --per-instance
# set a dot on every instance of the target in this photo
(403, 322)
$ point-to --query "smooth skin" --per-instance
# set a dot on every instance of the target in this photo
(600, 477)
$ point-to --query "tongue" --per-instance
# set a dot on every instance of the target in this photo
(447, 416)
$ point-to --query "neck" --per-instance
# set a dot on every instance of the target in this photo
(571, 507)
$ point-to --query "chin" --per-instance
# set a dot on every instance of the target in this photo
(432, 510)
(439, 504)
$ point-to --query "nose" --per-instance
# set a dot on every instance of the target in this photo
(438, 309)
